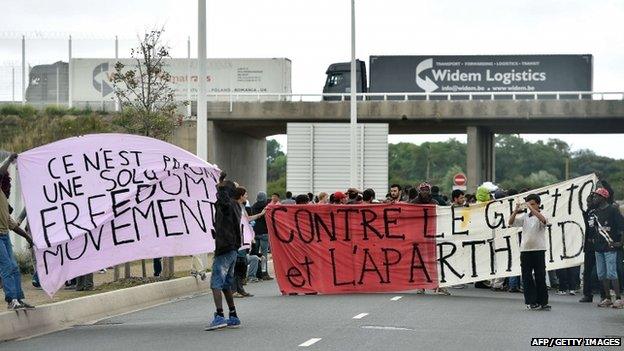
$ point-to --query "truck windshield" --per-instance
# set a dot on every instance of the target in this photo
(334, 79)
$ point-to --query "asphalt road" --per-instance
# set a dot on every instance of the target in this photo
(470, 319)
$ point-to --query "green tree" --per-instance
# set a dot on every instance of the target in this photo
(144, 90)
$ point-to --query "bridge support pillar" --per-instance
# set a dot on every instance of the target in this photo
(480, 157)
(241, 156)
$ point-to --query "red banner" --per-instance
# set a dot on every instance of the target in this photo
(334, 249)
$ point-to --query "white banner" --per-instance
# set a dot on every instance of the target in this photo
(476, 243)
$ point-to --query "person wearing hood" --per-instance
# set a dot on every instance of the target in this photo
(227, 236)
(483, 194)
(262, 234)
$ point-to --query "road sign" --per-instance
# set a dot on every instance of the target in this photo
(459, 179)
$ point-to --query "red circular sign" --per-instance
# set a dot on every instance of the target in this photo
(459, 179)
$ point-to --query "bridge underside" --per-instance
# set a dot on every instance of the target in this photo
(237, 130)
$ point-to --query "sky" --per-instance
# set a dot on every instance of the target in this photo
(314, 34)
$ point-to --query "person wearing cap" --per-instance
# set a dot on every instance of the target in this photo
(339, 198)
(605, 225)
(424, 195)
(424, 198)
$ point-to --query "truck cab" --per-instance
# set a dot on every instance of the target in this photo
(339, 79)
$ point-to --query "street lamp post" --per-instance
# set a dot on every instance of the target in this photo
(202, 109)
(353, 126)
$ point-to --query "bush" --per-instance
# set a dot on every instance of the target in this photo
(25, 262)
(18, 110)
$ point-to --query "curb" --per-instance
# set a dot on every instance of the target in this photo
(64, 314)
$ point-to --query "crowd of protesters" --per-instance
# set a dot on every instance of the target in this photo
(603, 267)
(234, 267)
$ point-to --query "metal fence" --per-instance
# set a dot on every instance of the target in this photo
(41, 59)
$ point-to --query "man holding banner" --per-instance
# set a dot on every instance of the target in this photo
(227, 235)
(9, 271)
(532, 252)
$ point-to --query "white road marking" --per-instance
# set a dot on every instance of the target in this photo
(396, 298)
(360, 316)
(310, 342)
(384, 328)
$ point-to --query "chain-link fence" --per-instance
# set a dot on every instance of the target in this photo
(38, 68)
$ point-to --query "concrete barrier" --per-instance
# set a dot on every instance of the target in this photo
(64, 314)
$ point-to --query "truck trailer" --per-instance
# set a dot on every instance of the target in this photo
(464, 74)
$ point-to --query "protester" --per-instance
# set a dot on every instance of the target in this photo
(458, 199)
(275, 198)
(395, 193)
(240, 270)
(424, 198)
(262, 233)
(227, 235)
(514, 282)
(606, 225)
(9, 270)
(424, 195)
(323, 198)
(289, 199)
(339, 198)
(352, 194)
(435, 194)
(532, 251)
(302, 199)
(412, 194)
(368, 196)
(311, 197)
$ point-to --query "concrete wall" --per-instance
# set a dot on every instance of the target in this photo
(241, 156)
(479, 157)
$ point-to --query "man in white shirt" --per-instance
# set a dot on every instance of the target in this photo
(532, 252)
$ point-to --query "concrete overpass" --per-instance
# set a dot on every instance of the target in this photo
(237, 130)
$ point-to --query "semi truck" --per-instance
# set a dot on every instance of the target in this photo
(92, 85)
(464, 74)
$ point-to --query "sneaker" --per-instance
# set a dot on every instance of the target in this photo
(237, 295)
(587, 299)
(420, 291)
(233, 322)
(572, 293)
(26, 305)
(618, 304)
(561, 292)
(545, 307)
(15, 305)
(246, 294)
(218, 322)
(253, 280)
(266, 276)
(460, 286)
(532, 307)
(605, 303)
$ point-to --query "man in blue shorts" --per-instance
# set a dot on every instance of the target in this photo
(227, 235)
